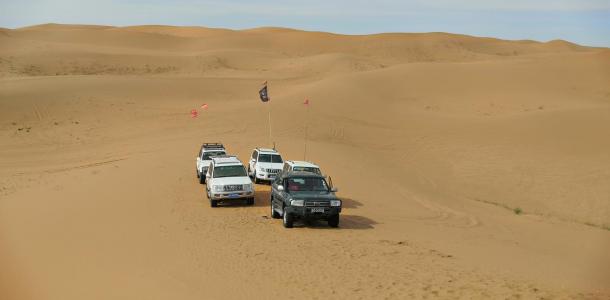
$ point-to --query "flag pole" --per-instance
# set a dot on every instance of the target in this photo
(269, 111)
(306, 131)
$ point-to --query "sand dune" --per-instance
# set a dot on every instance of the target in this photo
(469, 167)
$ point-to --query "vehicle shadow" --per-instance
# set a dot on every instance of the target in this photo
(350, 203)
(261, 198)
(347, 222)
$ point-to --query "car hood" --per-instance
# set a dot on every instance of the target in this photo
(313, 196)
(232, 180)
(270, 165)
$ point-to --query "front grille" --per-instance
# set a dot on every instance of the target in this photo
(272, 171)
(233, 187)
(317, 204)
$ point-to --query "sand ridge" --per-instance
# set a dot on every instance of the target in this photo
(435, 140)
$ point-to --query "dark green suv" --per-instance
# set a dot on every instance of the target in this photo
(304, 195)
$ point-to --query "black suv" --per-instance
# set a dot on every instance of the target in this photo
(304, 195)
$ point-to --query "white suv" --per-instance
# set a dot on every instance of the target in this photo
(227, 180)
(300, 166)
(204, 158)
(265, 164)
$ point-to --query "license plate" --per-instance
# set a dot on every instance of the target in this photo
(233, 195)
(317, 210)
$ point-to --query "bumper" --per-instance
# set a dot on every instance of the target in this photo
(306, 212)
(265, 176)
(231, 195)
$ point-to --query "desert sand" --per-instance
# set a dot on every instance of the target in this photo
(469, 167)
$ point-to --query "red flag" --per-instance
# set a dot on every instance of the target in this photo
(306, 102)
(204, 106)
(194, 113)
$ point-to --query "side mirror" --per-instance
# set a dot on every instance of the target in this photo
(334, 189)
(280, 188)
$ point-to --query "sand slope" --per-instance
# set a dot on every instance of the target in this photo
(435, 140)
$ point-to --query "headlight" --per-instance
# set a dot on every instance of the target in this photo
(297, 202)
(218, 188)
(335, 202)
(260, 169)
(248, 187)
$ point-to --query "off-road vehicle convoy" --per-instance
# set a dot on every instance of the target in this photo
(204, 158)
(300, 166)
(298, 189)
(304, 195)
(227, 180)
(264, 164)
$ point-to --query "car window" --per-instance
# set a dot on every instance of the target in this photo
(306, 184)
(270, 158)
(229, 171)
(307, 169)
(208, 155)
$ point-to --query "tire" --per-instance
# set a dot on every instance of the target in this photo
(250, 201)
(274, 213)
(287, 220)
(213, 203)
(333, 221)
(201, 179)
(256, 181)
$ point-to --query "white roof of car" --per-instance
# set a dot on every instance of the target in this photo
(267, 150)
(226, 160)
(300, 163)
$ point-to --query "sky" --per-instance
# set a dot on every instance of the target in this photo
(586, 22)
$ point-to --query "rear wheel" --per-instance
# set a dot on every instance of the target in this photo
(333, 221)
(288, 220)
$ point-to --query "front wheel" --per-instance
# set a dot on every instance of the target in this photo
(274, 213)
(334, 221)
(250, 201)
(288, 220)
(201, 178)
(213, 203)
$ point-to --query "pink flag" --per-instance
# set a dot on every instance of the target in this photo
(306, 102)
(194, 113)
(204, 106)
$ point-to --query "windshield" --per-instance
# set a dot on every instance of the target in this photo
(306, 184)
(209, 155)
(270, 158)
(306, 169)
(229, 171)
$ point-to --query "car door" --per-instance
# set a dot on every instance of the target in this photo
(252, 163)
(199, 161)
(208, 177)
(277, 195)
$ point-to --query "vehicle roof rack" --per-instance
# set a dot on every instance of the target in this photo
(266, 150)
(226, 159)
(213, 146)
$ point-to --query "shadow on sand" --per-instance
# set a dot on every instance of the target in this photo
(347, 222)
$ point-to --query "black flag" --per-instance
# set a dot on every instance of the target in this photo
(263, 93)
